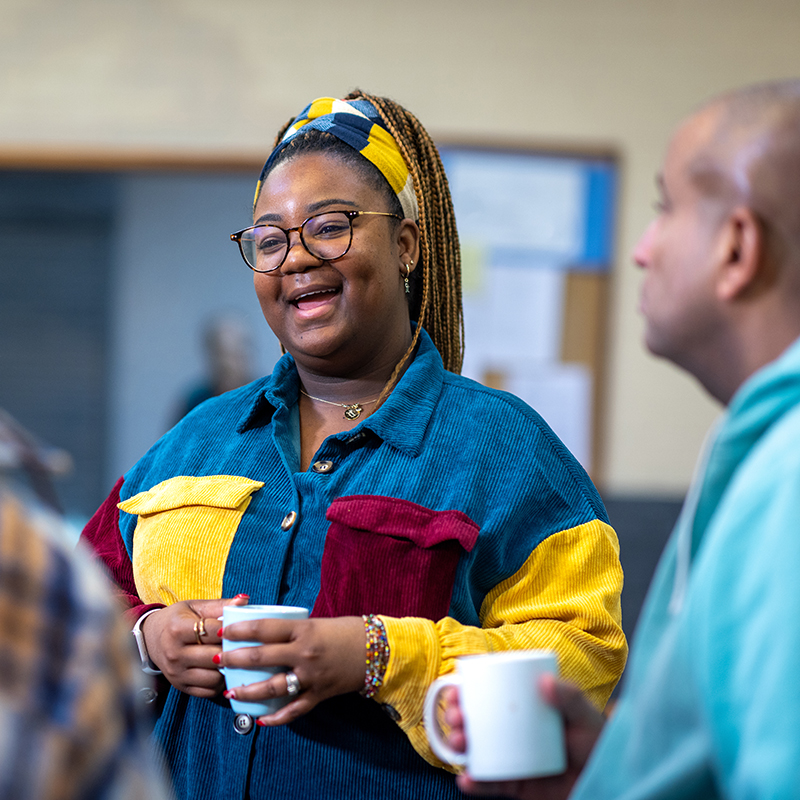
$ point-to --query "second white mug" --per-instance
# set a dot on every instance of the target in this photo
(511, 732)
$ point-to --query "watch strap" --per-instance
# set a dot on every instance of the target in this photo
(147, 665)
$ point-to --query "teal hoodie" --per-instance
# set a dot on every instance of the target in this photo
(710, 705)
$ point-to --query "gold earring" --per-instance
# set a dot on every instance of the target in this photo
(405, 278)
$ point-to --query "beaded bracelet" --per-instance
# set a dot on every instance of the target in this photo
(377, 655)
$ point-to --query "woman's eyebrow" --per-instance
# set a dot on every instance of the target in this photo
(268, 218)
(334, 201)
(312, 208)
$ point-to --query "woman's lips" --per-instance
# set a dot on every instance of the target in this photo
(312, 301)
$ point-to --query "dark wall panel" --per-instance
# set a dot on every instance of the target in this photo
(55, 270)
(643, 526)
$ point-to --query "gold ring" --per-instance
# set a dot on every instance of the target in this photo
(199, 630)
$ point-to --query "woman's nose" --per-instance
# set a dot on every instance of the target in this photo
(298, 259)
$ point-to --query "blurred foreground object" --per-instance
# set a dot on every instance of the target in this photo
(20, 451)
(70, 719)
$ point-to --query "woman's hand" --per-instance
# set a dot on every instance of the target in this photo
(326, 654)
(183, 652)
(582, 726)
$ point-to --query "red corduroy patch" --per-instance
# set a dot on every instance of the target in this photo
(389, 556)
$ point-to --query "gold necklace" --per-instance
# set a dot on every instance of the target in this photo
(351, 410)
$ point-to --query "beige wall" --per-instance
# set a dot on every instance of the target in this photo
(221, 76)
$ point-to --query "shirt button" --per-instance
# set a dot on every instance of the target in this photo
(322, 466)
(243, 724)
(148, 695)
(288, 520)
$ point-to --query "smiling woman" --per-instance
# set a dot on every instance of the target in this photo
(345, 319)
(419, 515)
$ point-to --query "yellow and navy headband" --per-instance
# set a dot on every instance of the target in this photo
(357, 123)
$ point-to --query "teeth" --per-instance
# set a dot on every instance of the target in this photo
(311, 294)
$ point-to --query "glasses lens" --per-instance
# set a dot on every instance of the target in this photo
(264, 247)
(327, 236)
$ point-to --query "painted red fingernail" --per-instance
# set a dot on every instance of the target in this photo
(261, 724)
(220, 633)
(217, 657)
(229, 694)
(245, 596)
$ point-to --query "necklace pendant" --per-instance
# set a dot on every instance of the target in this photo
(353, 411)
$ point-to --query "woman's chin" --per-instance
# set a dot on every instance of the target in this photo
(321, 353)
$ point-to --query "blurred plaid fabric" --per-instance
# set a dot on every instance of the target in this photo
(70, 723)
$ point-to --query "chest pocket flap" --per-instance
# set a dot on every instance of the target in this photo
(183, 535)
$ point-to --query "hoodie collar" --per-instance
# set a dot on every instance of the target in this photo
(759, 403)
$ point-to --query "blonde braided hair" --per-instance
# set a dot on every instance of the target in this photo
(440, 310)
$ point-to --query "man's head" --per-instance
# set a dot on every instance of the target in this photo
(721, 293)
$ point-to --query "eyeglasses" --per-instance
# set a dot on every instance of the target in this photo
(326, 236)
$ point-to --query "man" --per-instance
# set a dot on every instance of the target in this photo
(710, 706)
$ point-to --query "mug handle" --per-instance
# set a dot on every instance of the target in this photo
(445, 753)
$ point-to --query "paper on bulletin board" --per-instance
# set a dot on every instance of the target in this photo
(517, 316)
(474, 265)
(514, 201)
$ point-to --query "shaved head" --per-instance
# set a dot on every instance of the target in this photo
(753, 159)
(721, 261)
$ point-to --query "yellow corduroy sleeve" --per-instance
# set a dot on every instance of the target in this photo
(565, 597)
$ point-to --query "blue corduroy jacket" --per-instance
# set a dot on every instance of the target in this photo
(526, 559)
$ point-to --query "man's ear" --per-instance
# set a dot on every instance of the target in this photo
(741, 254)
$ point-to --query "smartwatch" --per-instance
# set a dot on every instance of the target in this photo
(147, 665)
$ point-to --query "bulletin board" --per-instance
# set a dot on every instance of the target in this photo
(537, 228)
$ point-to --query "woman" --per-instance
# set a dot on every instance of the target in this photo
(361, 478)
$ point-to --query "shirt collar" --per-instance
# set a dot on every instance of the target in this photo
(404, 418)
(401, 421)
(279, 389)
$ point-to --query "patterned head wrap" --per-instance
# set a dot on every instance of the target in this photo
(357, 123)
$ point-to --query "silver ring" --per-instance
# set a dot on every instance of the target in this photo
(292, 684)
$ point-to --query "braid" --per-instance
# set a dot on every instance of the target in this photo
(285, 127)
(440, 307)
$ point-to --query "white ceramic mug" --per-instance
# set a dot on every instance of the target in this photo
(243, 677)
(511, 731)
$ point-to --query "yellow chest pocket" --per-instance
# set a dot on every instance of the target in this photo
(184, 533)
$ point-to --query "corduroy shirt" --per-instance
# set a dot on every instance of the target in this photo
(453, 511)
